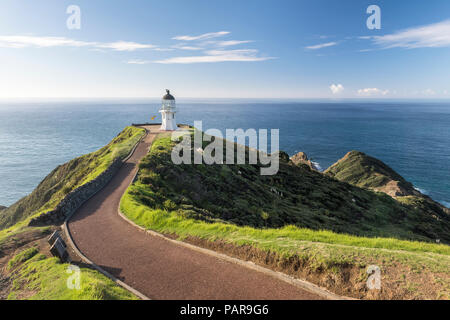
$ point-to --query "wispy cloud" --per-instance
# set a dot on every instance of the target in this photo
(162, 49)
(48, 42)
(321, 45)
(125, 46)
(428, 36)
(41, 42)
(372, 91)
(137, 61)
(245, 55)
(212, 51)
(336, 88)
(187, 47)
(202, 36)
(229, 43)
(203, 45)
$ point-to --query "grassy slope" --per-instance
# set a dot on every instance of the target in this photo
(180, 210)
(40, 274)
(238, 194)
(364, 171)
(40, 278)
(68, 177)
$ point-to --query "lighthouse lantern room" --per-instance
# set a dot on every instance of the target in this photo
(168, 110)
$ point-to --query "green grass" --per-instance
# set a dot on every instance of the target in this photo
(155, 203)
(16, 232)
(323, 249)
(37, 277)
(68, 177)
(364, 171)
(22, 257)
(296, 195)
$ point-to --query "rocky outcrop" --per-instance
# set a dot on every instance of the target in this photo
(2, 208)
(364, 171)
(302, 158)
(367, 172)
(76, 198)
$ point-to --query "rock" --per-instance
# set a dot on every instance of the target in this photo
(2, 208)
(302, 158)
(364, 171)
(367, 172)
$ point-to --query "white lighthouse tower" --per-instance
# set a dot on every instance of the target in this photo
(168, 110)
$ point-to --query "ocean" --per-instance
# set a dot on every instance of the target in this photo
(412, 138)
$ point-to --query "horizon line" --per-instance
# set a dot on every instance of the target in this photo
(12, 99)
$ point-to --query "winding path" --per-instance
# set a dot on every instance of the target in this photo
(158, 268)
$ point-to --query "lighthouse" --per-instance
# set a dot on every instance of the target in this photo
(168, 111)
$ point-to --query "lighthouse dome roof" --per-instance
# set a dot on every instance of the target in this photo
(168, 96)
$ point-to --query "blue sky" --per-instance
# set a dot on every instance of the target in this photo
(225, 49)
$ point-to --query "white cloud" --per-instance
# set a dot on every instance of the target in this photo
(372, 91)
(48, 42)
(244, 55)
(41, 42)
(428, 36)
(212, 43)
(138, 61)
(202, 36)
(162, 49)
(129, 46)
(125, 46)
(231, 43)
(322, 45)
(186, 47)
(336, 88)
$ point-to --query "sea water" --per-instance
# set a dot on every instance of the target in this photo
(412, 138)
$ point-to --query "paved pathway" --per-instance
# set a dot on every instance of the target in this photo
(156, 267)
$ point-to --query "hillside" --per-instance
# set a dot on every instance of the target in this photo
(27, 270)
(299, 222)
(367, 172)
(364, 171)
(68, 177)
(297, 195)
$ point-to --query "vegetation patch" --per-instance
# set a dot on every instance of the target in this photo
(37, 277)
(283, 218)
(22, 257)
(69, 176)
(364, 171)
(296, 195)
(31, 274)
